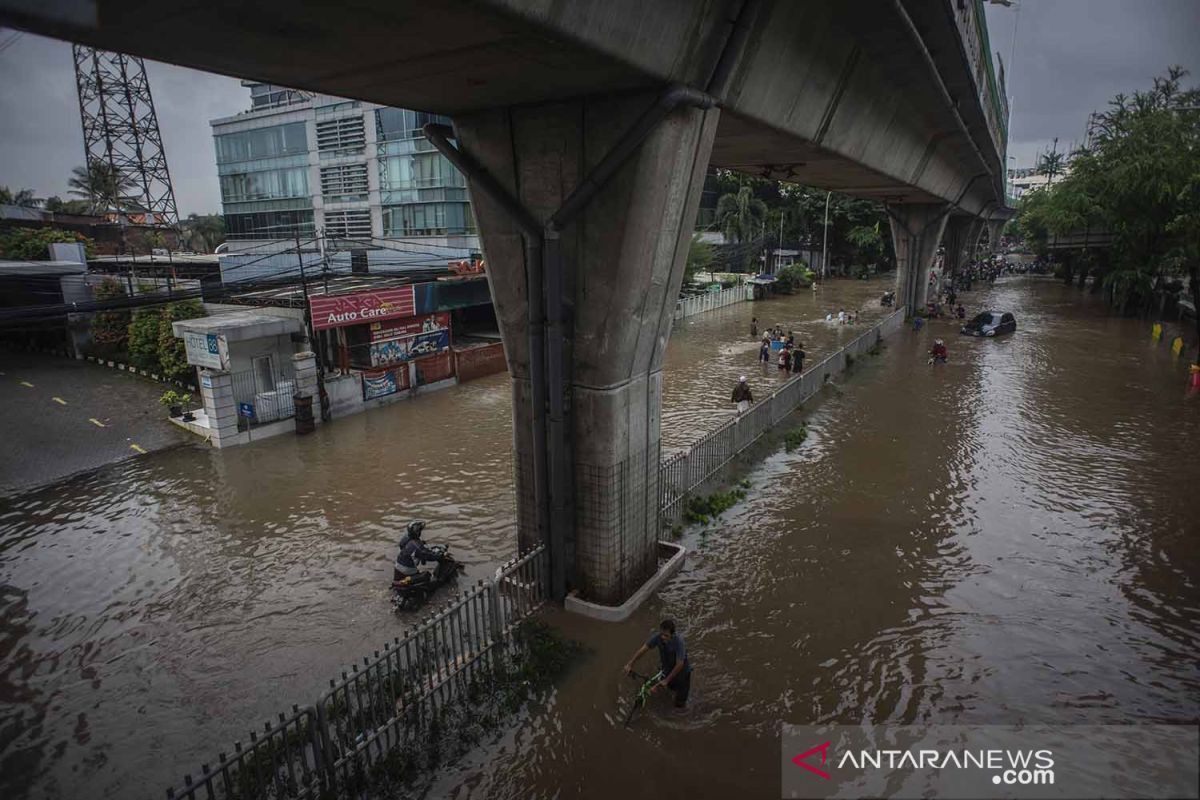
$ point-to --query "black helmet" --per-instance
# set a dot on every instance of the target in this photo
(415, 527)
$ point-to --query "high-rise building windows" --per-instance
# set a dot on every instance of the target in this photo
(269, 224)
(280, 140)
(272, 184)
(402, 123)
(427, 219)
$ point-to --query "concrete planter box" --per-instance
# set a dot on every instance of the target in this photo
(675, 554)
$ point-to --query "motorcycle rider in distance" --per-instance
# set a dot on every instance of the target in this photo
(412, 552)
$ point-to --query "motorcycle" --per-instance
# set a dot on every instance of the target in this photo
(412, 591)
(888, 299)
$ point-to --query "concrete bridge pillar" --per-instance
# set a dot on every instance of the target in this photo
(916, 232)
(613, 239)
(959, 239)
(994, 227)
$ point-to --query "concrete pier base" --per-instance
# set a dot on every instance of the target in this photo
(622, 260)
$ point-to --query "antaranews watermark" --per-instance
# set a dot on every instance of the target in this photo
(993, 761)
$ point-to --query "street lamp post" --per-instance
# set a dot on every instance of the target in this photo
(825, 236)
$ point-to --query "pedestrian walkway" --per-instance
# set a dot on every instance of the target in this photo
(60, 417)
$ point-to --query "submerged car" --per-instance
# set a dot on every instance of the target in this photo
(990, 323)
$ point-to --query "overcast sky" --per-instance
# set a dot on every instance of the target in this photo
(1071, 57)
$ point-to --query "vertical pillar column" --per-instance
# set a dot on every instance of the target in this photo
(622, 263)
(959, 239)
(216, 390)
(994, 227)
(916, 231)
(305, 367)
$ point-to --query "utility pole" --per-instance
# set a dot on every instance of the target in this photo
(825, 236)
(778, 250)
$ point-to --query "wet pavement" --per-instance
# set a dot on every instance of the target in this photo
(60, 417)
(1000, 539)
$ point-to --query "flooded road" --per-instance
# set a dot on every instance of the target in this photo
(1008, 538)
(1001, 539)
(708, 352)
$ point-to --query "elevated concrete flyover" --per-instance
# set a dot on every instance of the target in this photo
(585, 128)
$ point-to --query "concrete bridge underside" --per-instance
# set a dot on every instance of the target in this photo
(585, 181)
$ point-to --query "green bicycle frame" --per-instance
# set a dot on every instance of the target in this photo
(643, 692)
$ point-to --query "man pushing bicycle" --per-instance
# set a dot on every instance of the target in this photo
(672, 654)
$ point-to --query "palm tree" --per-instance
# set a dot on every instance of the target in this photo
(102, 186)
(741, 215)
(1051, 164)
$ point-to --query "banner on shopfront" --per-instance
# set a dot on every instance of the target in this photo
(360, 308)
(381, 383)
(395, 351)
(382, 331)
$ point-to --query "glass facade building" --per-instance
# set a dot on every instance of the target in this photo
(420, 192)
(264, 181)
(297, 163)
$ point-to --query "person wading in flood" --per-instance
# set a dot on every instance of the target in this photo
(742, 396)
(754, 327)
(672, 655)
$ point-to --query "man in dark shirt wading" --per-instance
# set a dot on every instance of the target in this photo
(672, 654)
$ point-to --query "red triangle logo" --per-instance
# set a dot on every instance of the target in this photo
(823, 749)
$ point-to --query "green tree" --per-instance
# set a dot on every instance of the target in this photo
(144, 339)
(110, 329)
(172, 355)
(867, 241)
(57, 205)
(699, 259)
(203, 232)
(741, 216)
(21, 197)
(1135, 181)
(33, 244)
(793, 277)
(155, 240)
(1051, 164)
(103, 187)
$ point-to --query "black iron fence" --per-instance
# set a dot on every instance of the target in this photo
(266, 391)
(378, 708)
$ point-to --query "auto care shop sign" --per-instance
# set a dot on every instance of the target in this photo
(360, 308)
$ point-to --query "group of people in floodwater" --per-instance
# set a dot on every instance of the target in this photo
(790, 353)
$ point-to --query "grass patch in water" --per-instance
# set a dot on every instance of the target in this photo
(702, 509)
(794, 438)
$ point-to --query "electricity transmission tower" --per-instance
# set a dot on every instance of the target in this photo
(126, 164)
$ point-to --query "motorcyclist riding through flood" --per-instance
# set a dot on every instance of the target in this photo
(413, 552)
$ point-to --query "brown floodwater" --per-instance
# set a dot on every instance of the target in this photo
(1009, 537)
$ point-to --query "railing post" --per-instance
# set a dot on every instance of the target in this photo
(497, 617)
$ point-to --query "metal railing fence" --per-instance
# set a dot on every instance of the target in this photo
(680, 474)
(271, 399)
(384, 704)
(699, 303)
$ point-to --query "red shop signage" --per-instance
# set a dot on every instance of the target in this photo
(362, 307)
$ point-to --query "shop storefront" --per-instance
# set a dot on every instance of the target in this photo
(381, 335)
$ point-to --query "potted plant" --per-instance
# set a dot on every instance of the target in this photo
(185, 400)
(174, 402)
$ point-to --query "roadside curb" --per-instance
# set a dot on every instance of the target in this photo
(103, 362)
